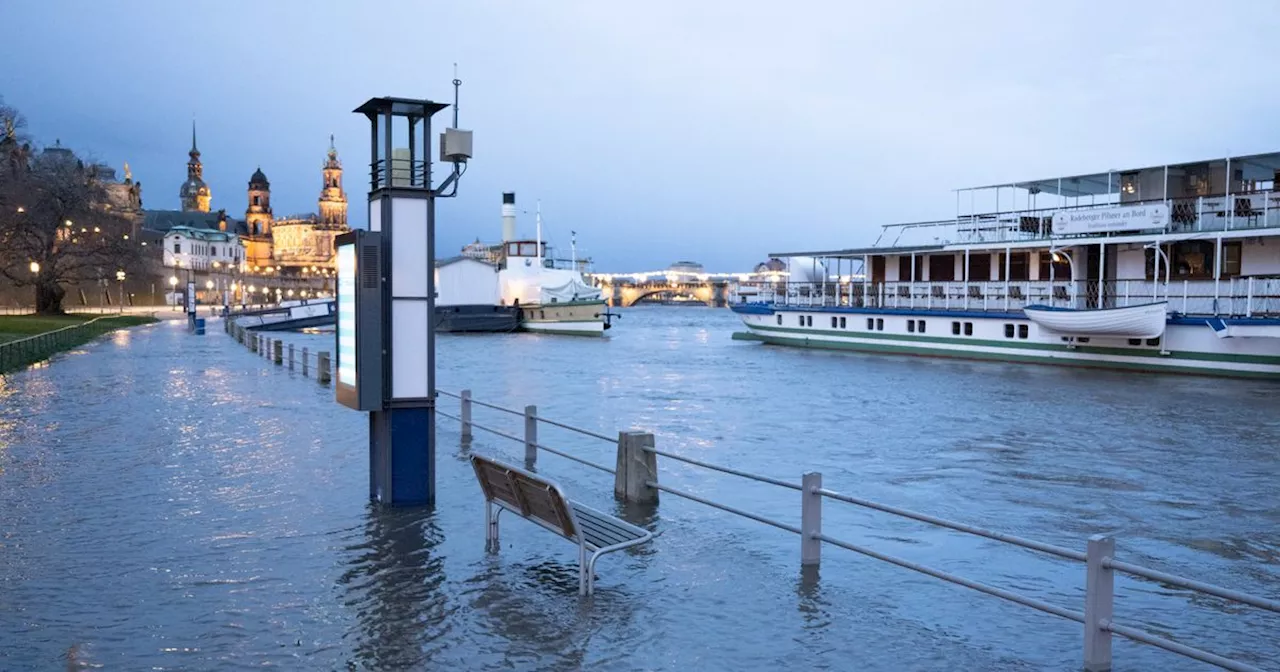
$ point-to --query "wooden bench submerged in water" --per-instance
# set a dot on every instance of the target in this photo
(543, 502)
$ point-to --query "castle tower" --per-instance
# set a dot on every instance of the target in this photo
(333, 201)
(258, 216)
(194, 192)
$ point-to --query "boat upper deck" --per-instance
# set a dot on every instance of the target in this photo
(1232, 196)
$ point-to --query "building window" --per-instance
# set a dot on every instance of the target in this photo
(955, 328)
(255, 199)
(1008, 331)
(1022, 331)
(911, 326)
(968, 328)
(871, 324)
(842, 323)
(879, 324)
(177, 247)
(921, 326)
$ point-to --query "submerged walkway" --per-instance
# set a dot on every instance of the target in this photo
(173, 502)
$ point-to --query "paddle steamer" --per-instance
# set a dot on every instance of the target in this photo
(1166, 268)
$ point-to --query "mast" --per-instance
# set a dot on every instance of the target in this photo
(538, 219)
(573, 248)
(456, 84)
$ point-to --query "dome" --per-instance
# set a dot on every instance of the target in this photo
(193, 186)
(259, 179)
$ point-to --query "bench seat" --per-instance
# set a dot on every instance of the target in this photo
(509, 488)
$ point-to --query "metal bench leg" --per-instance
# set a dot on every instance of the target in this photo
(491, 527)
(583, 586)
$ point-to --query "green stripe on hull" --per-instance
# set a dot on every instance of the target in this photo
(563, 332)
(1014, 344)
(889, 348)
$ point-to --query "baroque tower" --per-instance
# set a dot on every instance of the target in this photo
(194, 192)
(333, 202)
(258, 216)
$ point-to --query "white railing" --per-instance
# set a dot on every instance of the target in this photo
(1098, 556)
(1231, 297)
(1257, 210)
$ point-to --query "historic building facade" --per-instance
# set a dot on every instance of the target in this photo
(286, 245)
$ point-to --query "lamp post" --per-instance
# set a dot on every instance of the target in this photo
(120, 279)
(35, 282)
(173, 290)
(1057, 254)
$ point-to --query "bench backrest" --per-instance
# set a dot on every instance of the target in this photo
(531, 496)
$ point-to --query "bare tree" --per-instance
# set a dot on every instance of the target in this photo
(57, 226)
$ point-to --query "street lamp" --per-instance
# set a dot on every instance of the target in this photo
(35, 271)
(120, 279)
(173, 290)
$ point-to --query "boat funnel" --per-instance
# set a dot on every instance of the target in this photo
(508, 216)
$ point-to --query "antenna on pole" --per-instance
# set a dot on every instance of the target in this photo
(456, 84)
(538, 219)
(573, 248)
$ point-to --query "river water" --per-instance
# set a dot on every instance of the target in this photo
(172, 502)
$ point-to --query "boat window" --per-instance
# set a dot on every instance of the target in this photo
(979, 267)
(955, 328)
(871, 323)
(809, 321)
(911, 326)
(1083, 340)
(1135, 341)
(1022, 331)
(833, 322)
(921, 325)
(842, 323)
(1008, 331)
(968, 328)
(942, 267)
(879, 324)
(779, 320)
(801, 318)
(1153, 341)
(1231, 259)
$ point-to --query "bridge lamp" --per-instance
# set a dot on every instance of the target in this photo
(173, 281)
(208, 284)
(35, 267)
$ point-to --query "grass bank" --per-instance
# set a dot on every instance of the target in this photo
(26, 339)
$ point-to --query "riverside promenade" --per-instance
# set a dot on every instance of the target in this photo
(175, 502)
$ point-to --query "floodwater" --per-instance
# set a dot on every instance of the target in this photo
(173, 502)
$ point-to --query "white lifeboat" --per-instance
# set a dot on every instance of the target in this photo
(1144, 321)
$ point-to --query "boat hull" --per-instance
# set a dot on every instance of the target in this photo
(476, 319)
(1188, 345)
(576, 318)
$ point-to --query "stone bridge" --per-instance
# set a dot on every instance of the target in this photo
(627, 289)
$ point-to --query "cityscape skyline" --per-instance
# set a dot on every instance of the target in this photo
(717, 133)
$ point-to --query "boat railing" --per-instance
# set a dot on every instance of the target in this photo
(1227, 297)
(1243, 211)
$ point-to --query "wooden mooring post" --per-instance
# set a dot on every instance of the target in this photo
(322, 367)
(636, 468)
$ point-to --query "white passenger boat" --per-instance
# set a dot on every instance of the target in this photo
(1144, 321)
(1162, 268)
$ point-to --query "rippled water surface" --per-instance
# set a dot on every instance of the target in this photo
(173, 502)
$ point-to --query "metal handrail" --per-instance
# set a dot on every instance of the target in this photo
(724, 507)
(586, 432)
(1182, 649)
(1191, 584)
(492, 431)
(952, 578)
(575, 458)
(497, 407)
(961, 527)
(736, 472)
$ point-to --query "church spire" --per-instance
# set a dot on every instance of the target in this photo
(194, 151)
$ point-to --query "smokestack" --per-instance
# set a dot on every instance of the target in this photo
(508, 216)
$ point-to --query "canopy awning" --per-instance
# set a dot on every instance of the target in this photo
(1253, 167)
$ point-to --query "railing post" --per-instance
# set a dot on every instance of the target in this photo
(465, 414)
(278, 352)
(810, 519)
(290, 356)
(1248, 302)
(1099, 594)
(322, 367)
(637, 466)
(305, 364)
(530, 436)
